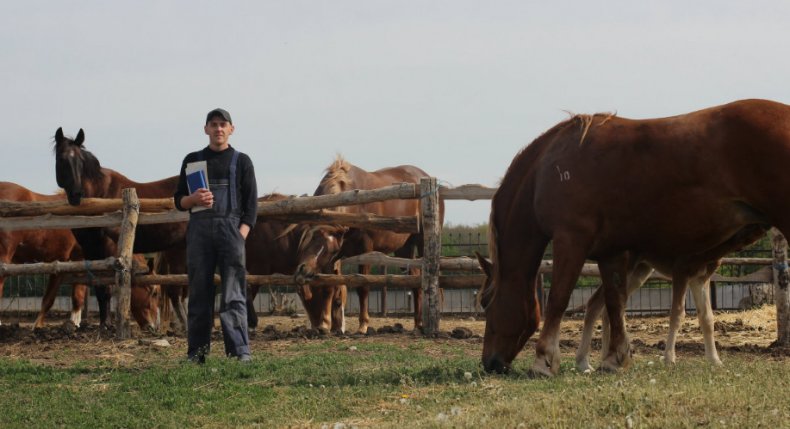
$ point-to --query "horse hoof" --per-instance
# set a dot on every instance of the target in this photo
(541, 368)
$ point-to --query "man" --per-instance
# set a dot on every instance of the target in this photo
(220, 218)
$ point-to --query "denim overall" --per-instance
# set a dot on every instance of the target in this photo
(214, 240)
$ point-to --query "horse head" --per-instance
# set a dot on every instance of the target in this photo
(512, 314)
(319, 249)
(74, 166)
(145, 306)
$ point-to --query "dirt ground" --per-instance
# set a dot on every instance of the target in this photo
(61, 344)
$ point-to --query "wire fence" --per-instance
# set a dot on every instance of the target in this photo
(22, 294)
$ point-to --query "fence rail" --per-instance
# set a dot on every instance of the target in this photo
(306, 209)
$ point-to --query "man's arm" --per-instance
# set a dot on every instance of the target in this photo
(182, 199)
(249, 196)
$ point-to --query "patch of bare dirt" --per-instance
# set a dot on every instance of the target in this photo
(61, 343)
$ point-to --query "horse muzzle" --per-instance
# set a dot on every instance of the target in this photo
(74, 198)
(495, 364)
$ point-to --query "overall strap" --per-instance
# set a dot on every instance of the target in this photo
(232, 181)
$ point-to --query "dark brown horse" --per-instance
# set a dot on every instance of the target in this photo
(48, 245)
(675, 190)
(80, 175)
(270, 249)
(322, 246)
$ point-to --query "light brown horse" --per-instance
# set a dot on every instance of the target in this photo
(271, 248)
(676, 190)
(40, 245)
(322, 246)
(80, 175)
(48, 245)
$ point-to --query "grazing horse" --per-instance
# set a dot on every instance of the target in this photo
(270, 248)
(323, 245)
(695, 274)
(80, 175)
(675, 192)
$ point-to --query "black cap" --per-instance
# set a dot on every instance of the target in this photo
(222, 113)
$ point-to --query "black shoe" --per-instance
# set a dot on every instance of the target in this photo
(196, 359)
(245, 358)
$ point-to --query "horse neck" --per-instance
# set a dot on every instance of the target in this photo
(117, 182)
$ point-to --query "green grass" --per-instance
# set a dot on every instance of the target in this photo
(416, 384)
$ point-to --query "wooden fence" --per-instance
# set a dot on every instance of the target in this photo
(129, 212)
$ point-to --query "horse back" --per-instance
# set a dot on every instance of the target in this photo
(659, 183)
(34, 245)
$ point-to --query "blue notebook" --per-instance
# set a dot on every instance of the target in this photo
(196, 180)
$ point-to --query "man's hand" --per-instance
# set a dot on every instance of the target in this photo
(244, 229)
(201, 197)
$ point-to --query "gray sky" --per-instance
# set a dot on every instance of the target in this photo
(455, 87)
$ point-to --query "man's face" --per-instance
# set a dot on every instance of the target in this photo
(218, 131)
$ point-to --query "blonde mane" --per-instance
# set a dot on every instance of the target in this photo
(586, 121)
(336, 176)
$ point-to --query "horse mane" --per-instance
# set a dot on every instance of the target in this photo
(91, 167)
(521, 166)
(586, 121)
(336, 176)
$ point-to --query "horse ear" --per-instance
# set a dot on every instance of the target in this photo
(485, 264)
(80, 138)
(59, 135)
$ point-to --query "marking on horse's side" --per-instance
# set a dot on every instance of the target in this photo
(564, 175)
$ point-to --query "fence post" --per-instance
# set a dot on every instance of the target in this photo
(781, 290)
(124, 272)
(431, 231)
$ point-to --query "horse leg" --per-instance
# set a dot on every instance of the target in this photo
(252, 316)
(700, 289)
(339, 309)
(49, 298)
(362, 293)
(636, 278)
(103, 297)
(176, 296)
(409, 250)
(569, 259)
(676, 313)
(591, 314)
(614, 279)
(78, 294)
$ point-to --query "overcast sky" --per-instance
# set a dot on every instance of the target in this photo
(454, 87)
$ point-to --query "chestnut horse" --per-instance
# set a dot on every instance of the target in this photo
(271, 248)
(695, 274)
(80, 175)
(48, 245)
(674, 191)
(322, 246)
(40, 245)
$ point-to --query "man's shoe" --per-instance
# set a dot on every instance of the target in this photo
(245, 359)
(197, 359)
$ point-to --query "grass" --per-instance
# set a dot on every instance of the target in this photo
(420, 383)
